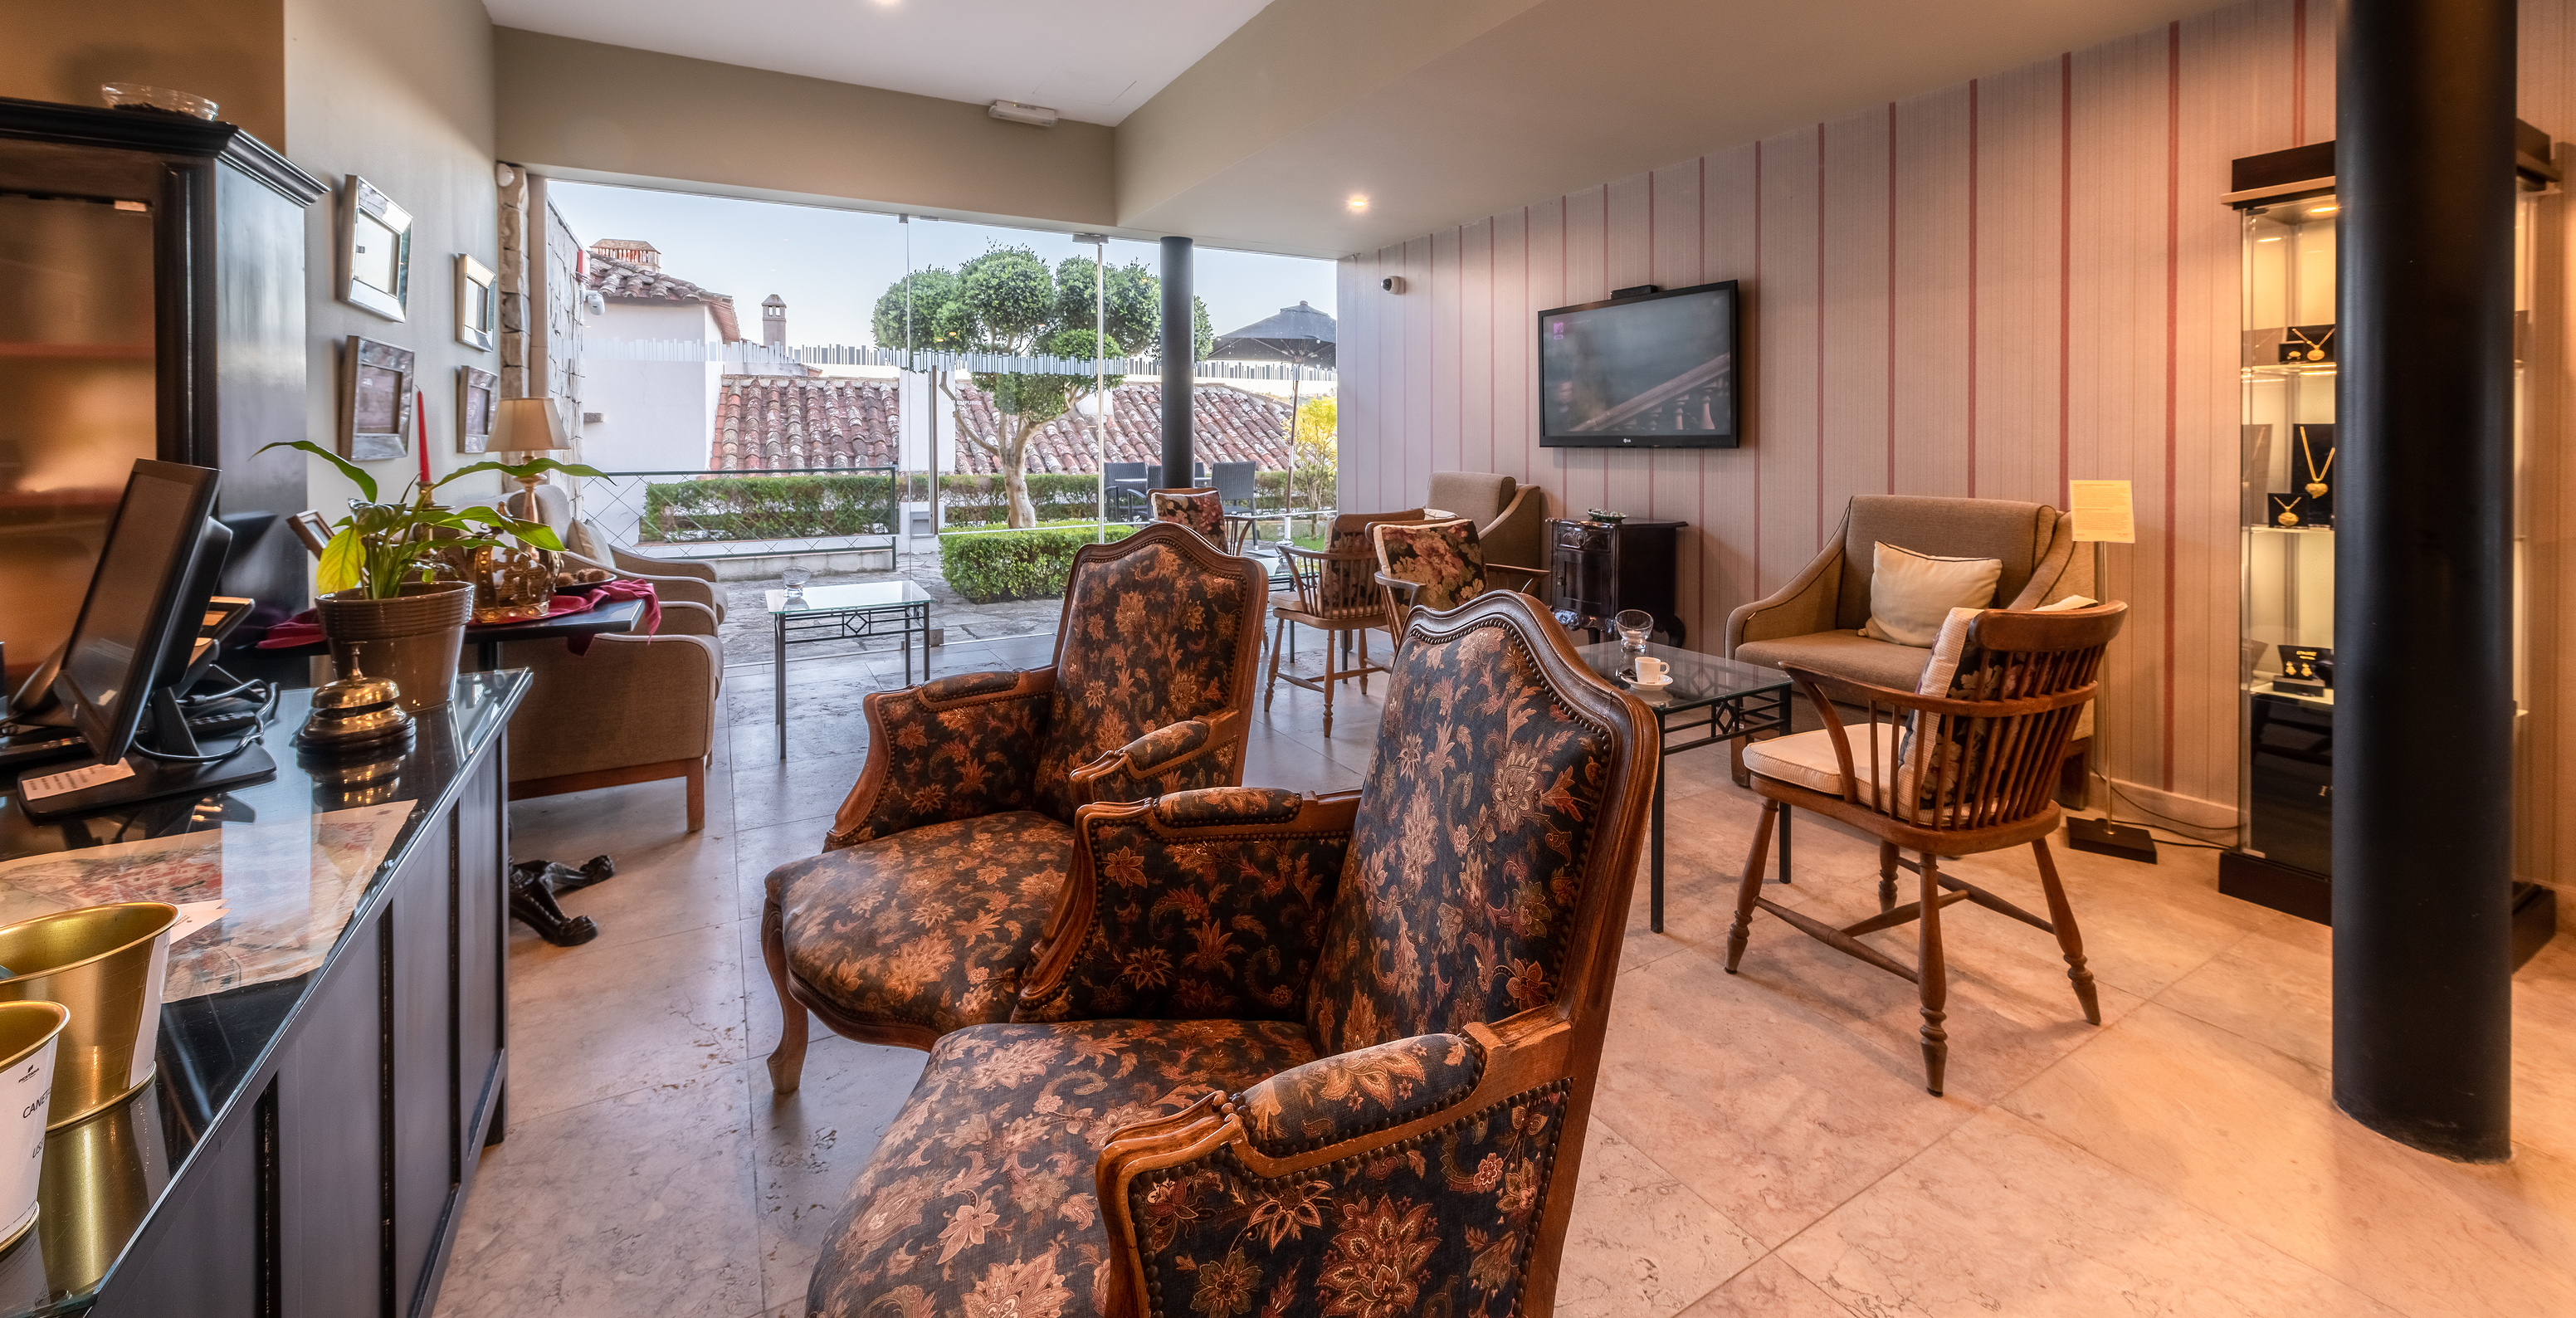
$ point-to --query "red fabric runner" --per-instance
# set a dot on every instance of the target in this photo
(306, 628)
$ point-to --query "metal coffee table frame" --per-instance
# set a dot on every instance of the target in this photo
(1754, 701)
(818, 622)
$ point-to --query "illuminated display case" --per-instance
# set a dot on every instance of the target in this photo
(2286, 511)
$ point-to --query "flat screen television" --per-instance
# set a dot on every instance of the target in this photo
(1652, 371)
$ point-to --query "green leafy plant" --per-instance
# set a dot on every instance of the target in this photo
(1016, 565)
(377, 547)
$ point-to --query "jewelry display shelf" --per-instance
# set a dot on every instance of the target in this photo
(2284, 857)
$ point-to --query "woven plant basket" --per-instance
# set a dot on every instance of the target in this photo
(413, 640)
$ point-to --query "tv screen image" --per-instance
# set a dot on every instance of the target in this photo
(1654, 371)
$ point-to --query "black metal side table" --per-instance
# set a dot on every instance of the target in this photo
(1710, 701)
(835, 613)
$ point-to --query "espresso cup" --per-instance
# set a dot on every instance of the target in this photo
(1651, 669)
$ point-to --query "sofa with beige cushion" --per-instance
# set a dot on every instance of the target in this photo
(1816, 620)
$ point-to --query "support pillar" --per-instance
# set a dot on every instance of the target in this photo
(2423, 771)
(1179, 360)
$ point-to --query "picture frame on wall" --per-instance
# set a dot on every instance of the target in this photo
(478, 305)
(478, 393)
(375, 400)
(375, 250)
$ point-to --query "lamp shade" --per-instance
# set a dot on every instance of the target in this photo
(528, 425)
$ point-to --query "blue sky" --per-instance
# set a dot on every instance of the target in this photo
(830, 265)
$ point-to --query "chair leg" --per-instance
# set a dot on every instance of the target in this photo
(1270, 693)
(1886, 877)
(1935, 974)
(1750, 891)
(787, 1065)
(1332, 675)
(697, 795)
(2069, 940)
(1364, 660)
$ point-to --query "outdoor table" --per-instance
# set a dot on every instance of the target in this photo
(854, 612)
(1714, 700)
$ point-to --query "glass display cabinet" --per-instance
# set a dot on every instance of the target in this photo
(2286, 511)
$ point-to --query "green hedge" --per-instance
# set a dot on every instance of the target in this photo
(1015, 565)
(767, 508)
(980, 500)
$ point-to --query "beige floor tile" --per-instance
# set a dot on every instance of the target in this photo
(1640, 1242)
(2251, 1136)
(1766, 1104)
(667, 880)
(1768, 1289)
(811, 1144)
(757, 851)
(639, 1203)
(2277, 994)
(588, 1023)
(2000, 1218)
(768, 791)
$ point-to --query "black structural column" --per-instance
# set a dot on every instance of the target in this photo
(2423, 772)
(1180, 344)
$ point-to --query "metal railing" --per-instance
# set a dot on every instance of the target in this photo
(1141, 369)
(709, 514)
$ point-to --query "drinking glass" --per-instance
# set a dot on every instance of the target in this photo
(1635, 625)
(795, 578)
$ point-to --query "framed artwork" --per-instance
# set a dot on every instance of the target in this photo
(375, 249)
(375, 400)
(475, 393)
(478, 306)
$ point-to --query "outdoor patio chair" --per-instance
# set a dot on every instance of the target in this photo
(1334, 591)
(945, 861)
(1127, 483)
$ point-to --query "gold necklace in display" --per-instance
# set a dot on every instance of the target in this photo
(2316, 475)
(2316, 347)
(2288, 517)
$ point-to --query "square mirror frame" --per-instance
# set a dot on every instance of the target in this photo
(360, 198)
(478, 395)
(367, 370)
(478, 305)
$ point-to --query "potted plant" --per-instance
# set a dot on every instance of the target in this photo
(379, 583)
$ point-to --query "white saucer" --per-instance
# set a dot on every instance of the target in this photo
(1642, 684)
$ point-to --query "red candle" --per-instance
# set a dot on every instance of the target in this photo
(420, 408)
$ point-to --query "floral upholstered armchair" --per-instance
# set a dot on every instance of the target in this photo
(1439, 566)
(1201, 510)
(1282, 1054)
(946, 858)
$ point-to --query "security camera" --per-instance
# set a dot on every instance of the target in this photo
(1392, 283)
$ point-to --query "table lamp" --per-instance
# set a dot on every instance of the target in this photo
(529, 427)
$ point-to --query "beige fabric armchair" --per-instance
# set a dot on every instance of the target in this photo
(633, 709)
(1510, 518)
(672, 579)
(1814, 621)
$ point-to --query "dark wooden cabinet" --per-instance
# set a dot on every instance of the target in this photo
(1597, 570)
(308, 1143)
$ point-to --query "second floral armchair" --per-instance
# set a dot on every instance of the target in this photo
(946, 858)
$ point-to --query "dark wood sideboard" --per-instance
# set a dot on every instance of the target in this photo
(306, 1146)
(1596, 570)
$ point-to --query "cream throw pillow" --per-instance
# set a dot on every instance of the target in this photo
(1911, 594)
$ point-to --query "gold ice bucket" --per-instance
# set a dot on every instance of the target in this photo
(105, 964)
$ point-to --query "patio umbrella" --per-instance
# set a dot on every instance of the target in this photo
(1300, 336)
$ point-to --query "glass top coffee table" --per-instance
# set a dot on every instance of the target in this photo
(1710, 700)
(837, 613)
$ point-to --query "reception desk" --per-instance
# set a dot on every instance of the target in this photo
(333, 1051)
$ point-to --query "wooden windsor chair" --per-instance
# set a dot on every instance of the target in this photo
(1959, 773)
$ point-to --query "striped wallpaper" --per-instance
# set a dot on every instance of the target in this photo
(1982, 291)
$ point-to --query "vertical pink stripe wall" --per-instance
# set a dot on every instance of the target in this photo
(1984, 290)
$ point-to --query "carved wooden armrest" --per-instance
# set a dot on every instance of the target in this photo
(954, 748)
(1530, 576)
(1430, 1157)
(1202, 904)
(1193, 753)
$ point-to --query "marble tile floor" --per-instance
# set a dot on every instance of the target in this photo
(1760, 1143)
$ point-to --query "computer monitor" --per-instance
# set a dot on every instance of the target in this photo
(137, 638)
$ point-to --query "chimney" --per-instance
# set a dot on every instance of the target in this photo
(634, 251)
(773, 321)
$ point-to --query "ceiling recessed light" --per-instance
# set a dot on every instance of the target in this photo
(1358, 202)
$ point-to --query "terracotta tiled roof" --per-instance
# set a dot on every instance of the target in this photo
(625, 281)
(1228, 425)
(770, 422)
(767, 423)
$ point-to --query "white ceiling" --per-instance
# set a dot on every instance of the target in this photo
(1091, 60)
